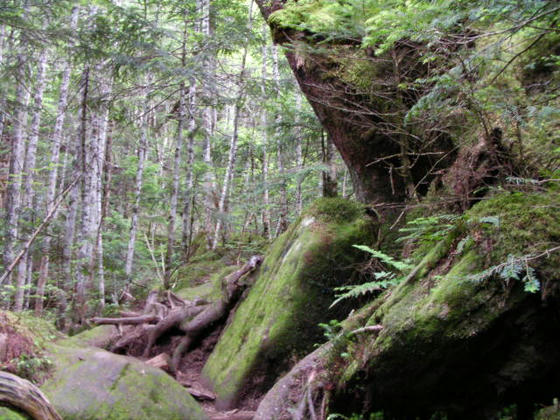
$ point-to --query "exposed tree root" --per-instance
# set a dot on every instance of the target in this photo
(162, 314)
(24, 396)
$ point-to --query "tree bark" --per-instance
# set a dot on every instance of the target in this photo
(299, 155)
(56, 140)
(283, 214)
(189, 194)
(329, 174)
(28, 174)
(13, 198)
(23, 395)
(176, 171)
(137, 189)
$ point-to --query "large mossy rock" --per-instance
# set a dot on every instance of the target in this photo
(93, 384)
(461, 336)
(464, 336)
(278, 321)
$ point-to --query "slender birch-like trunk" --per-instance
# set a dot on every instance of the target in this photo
(232, 155)
(176, 171)
(299, 156)
(283, 214)
(267, 231)
(141, 153)
(13, 195)
(99, 166)
(329, 174)
(28, 172)
(209, 180)
(3, 96)
(56, 141)
(189, 183)
(85, 235)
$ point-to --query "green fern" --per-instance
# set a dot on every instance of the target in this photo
(514, 268)
(383, 279)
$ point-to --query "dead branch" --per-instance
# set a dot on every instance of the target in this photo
(232, 291)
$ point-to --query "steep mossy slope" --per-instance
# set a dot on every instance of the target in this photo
(277, 322)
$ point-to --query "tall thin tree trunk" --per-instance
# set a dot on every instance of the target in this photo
(299, 156)
(189, 184)
(176, 172)
(328, 174)
(267, 232)
(13, 197)
(232, 156)
(56, 141)
(142, 146)
(100, 149)
(86, 196)
(283, 215)
(209, 180)
(106, 194)
(29, 170)
(3, 96)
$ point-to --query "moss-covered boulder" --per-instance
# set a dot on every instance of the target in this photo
(93, 384)
(101, 336)
(278, 321)
(464, 336)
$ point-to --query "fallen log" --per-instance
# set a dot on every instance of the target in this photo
(141, 319)
(232, 290)
(161, 361)
(24, 396)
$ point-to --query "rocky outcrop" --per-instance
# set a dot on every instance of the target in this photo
(461, 336)
(278, 321)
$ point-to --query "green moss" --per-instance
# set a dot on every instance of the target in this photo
(336, 210)
(528, 223)
(277, 321)
(99, 336)
(92, 384)
(211, 289)
(197, 272)
(441, 304)
(7, 414)
(40, 331)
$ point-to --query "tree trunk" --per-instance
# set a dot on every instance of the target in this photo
(299, 155)
(137, 189)
(100, 150)
(189, 184)
(23, 395)
(176, 172)
(13, 197)
(87, 227)
(267, 232)
(29, 170)
(56, 141)
(283, 214)
(328, 174)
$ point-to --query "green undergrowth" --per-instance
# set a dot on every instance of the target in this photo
(26, 338)
(278, 321)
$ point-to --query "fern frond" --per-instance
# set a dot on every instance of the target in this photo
(387, 259)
